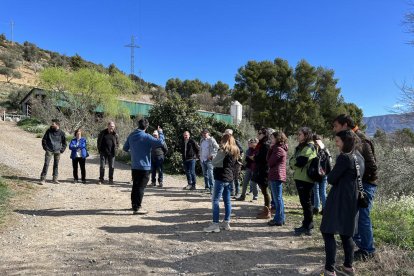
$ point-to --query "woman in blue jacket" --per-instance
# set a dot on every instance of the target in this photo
(78, 155)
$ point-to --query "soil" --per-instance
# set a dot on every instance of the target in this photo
(89, 229)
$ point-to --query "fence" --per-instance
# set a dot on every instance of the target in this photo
(12, 117)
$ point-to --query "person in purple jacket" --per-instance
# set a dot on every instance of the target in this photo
(139, 145)
(276, 161)
(78, 155)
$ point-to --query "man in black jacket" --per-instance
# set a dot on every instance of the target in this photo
(190, 151)
(54, 143)
(157, 160)
(364, 239)
(108, 143)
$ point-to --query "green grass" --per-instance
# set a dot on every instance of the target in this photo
(5, 194)
(393, 222)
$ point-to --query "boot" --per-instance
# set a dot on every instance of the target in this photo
(264, 214)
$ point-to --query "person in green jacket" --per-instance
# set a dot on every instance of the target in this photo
(299, 162)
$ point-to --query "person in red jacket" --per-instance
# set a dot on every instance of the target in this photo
(276, 161)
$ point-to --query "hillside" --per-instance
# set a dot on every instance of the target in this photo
(388, 123)
(28, 60)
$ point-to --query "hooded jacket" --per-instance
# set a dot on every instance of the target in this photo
(276, 160)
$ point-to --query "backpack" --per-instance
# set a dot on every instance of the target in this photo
(320, 165)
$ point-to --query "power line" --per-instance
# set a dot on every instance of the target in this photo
(132, 45)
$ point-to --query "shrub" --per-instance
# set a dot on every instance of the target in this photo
(393, 220)
(32, 125)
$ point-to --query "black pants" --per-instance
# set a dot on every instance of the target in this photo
(81, 162)
(305, 194)
(140, 180)
(330, 250)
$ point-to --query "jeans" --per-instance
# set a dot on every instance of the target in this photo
(277, 188)
(221, 188)
(111, 163)
(330, 250)
(189, 167)
(48, 157)
(157, 164)
(364, 238)
(247, 179)
(207, 167)
(305, 193)
(235, 184)
(319, 193)
(140, 180)
(81, 162)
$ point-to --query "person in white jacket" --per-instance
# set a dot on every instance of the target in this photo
(208, 150)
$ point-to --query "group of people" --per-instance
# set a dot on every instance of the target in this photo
(265, 163)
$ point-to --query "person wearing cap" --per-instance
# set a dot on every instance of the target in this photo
(249, 164)
(208, 150)
(157, 161)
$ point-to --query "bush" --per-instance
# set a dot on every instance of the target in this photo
(393, 220)
(32, 125)
(176, 115)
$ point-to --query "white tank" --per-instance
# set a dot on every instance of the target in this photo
(236, 111)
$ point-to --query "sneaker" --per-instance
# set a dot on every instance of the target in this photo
(188, 187)
(303, 230)
(329, 273)
(213, 228)
(346, 271)
(55, 181)
(274, 223)
(75, 181)
(241, 198)
(111, 181)
(153, 184)
(160, 185)
(42, 182)
(192, 188)
(226, 225)
(140, 211)
(254, 198)
(83, 181)
(362, 255)
(100, 182)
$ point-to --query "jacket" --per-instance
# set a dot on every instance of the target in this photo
(368, 152)
(301, 160)
(249, 163)
(340, 214)
(223, 166)
(159, 151)
(260, 163)
(80, 145)
(192, 150)
(139, 144)
(108, 143)
(54, 140)
(212, 147)
(276, 160)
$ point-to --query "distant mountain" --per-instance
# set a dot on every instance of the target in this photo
(389, 123)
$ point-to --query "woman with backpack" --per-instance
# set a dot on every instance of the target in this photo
(340, 213)
(223, 171)
(319, 189)
(78, 155)
(276, 160)
(299, 162)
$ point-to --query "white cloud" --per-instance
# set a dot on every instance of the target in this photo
(397, 105)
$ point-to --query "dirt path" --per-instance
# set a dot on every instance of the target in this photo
(77, 229)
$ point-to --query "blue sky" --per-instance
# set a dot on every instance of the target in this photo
(363, 41)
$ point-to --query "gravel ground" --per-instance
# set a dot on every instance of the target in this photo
(88, 229)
